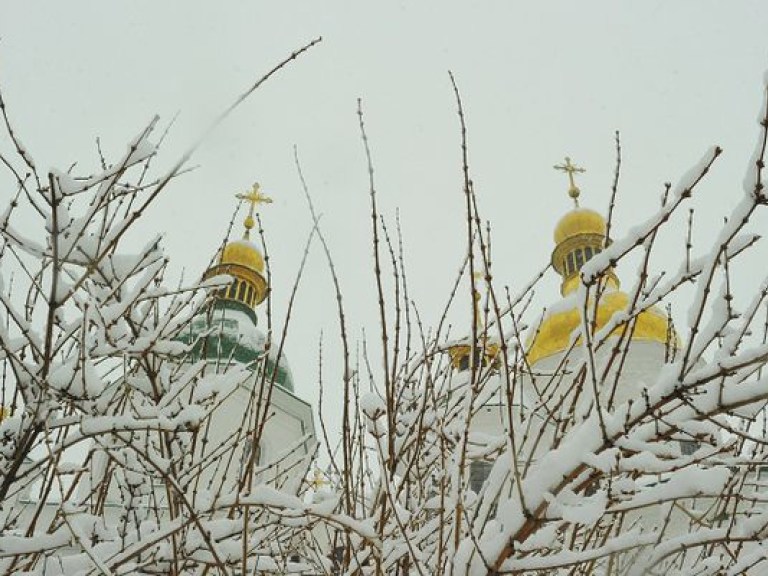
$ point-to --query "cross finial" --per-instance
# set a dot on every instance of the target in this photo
(254, 197)
(571, 169)
(318, 480)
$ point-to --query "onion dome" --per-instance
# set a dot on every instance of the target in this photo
(243, 261)
(243, 253)
(580, 235)
(227, 331)
(577, 222)
(553, 335)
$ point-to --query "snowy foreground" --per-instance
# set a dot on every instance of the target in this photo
(614, 456)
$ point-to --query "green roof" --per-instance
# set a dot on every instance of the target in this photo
(232, 336)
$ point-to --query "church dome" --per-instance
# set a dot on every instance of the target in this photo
(579, 221)
(579, 236)
(243, 261)
(553, 335)
(227, 331)
(243, 253)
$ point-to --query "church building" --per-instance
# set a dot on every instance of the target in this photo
(227, 334)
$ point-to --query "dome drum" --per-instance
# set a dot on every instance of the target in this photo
(570, 254)
(248, 287)
(579, 236)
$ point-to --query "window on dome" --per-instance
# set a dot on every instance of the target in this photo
(249, 297)
(571, 267)
(587, 253)
(232, 290)
(579, 259)
(241, 291)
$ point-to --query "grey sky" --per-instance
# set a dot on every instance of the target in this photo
(540, 80)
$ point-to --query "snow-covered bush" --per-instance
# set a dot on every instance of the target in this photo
(458, 456)
(463, 458)
(106, 462)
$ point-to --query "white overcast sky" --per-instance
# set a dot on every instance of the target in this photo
(540, 80)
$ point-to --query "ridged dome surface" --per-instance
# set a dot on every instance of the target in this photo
(579, 221)
(243, 253)
(554, 334)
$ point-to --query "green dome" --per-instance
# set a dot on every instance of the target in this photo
(232, 336)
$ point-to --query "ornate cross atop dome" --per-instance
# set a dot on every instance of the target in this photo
(571, 169)
(253, 197)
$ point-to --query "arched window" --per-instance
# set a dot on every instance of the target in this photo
(232, 290)
(579, 259)
(571, 265)
(241, 291)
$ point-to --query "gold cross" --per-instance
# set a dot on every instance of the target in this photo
(571, 169)
(254, 197)
(318, 481)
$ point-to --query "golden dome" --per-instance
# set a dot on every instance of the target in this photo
(243, 253)
(579, 236)
(243, 261)
(554, 334)
(579, 221)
